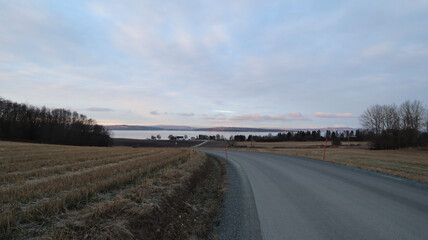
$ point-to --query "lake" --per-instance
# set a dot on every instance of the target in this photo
(143, 134)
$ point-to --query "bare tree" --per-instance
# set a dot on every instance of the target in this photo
(412, 115)
(159, 137)
(392, 127)
(372, 118)
(391, 118)
(426, 120)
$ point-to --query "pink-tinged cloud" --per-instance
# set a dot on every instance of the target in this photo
(333, 115)
(258, 118)
(170, 113)
(296, 116)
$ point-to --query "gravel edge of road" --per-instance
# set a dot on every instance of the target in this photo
(239, 219)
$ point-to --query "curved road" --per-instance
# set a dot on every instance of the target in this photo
(298, 198)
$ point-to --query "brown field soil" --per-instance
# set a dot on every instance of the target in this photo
(70, 192)
(408, 163)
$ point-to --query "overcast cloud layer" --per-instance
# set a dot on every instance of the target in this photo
(206, 63)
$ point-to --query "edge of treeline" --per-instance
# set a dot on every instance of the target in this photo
(357, 135)
(390, 126)
(22, 122)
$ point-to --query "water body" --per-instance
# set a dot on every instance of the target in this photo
(143, 134)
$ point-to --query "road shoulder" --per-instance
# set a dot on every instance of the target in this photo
(239, 218)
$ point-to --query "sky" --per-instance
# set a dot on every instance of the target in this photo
(275, 64)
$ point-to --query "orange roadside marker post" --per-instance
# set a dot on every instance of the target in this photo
(325, 147)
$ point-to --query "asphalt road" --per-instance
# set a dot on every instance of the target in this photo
(298, 198)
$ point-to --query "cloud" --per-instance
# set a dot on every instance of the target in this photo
(219, 102)
(224, 111)
(377, 50)
(333, 115)
(256, 118)
(296, 116)
(269, 118)
(170, 113)
(214, 118)
(186, 114)
(99, 109)
(252, 118)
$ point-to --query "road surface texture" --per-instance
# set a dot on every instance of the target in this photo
(298, 198)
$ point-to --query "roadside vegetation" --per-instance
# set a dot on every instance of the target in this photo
(411, 163)
(70, 192)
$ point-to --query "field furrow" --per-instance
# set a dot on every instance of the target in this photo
(58, 181)
(19, 177)
(44, 189)
(49, 160)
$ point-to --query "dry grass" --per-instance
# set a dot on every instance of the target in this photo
(50, 190)
(292, 144)
(407, 163)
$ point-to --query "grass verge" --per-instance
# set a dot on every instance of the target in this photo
(411, 163)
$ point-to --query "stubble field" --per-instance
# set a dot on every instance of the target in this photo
(52, 191)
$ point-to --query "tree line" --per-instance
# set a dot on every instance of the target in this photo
(211, 137)
(305, 136)
(57, 126)
(392, 126)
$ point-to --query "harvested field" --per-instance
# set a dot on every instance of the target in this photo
(154, 143)
(54, 191)
(407, 163)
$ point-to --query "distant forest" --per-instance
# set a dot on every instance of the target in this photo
(391, 126)
(57, 126)
(307, 136)
(334, 136)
